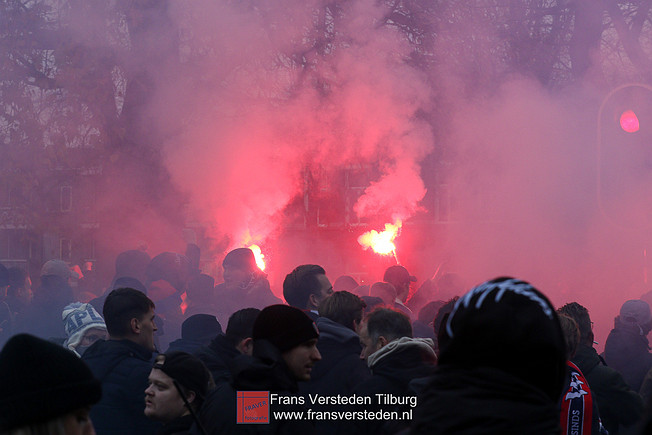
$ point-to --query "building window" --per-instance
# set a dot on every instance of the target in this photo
(65, 198)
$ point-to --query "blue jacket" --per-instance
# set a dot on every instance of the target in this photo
(123, 368)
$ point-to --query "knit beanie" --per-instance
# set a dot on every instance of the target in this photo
(508, 325)
(186, 369)
(284, 326)
(77, 319)
(200, 327)
(40, 381)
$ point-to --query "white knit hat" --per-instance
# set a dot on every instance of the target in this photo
(77, 319)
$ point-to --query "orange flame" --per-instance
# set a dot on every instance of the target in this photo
(260, 257)
(382, 243)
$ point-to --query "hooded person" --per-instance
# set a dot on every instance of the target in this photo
(395, 359)
(83, 326)
(178, 385)
(244, 286)
(44, 388)
(284, 353)
(627, 349)
(196, 332)
(503, 367)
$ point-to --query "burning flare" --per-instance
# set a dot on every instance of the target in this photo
(382, 243)
(260, 257)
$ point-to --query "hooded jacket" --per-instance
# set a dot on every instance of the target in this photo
(627, 350)
(123, 368)
(340, 368)
(264, 371)
(217, 357)
(618, 404)
(393, 367)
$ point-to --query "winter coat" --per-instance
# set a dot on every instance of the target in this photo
(257, 294)
(265, 371)
(217, 356)
(627, 351)
(483, 401)
(339, 371)
(123, 368)
(618, 404)
(393, 367)
(178, 426)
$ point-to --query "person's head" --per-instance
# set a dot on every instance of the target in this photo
(636, 312)
(428, 312)
(306, 286)
(44, 388)
(239, 329)
(200, 289)
(401, 279)
(57, 268)
(129, 282)
(384, 291)
(581, 316)
(132, 263)
(381, 327)
(293, 333)
(345, 283)
(571, 334)
(129, 314)
(200, 328)
(344, 308)
(440, 319)
(240, 268)
(175, 376)
(506, 324)
(83, 325)
(20, 286)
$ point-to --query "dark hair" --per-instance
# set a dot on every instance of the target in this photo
(200, 288)
(121, 306)
(581, 316)
(343, 307)
(571, 334)
(389, 323)
(129, 282)
(241, 324)
(428, 312)
(301, 283)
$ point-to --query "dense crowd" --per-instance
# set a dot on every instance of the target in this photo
(163, 350)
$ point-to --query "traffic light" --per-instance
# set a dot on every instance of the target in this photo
(624, 156)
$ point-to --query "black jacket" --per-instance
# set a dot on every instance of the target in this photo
(627, 351)
(217, 357)
(393, 367)
(483, 401)
(618, 404)
(265, 371)
(123, 368)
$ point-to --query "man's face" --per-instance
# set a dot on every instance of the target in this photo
(301, 359)
(162, 400)
(236, 277)
(368, 346)
(325, 290)
(92, 335)
(147, 329)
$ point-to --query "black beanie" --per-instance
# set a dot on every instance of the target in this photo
(284, 326)
(186, 369)
(509, 325)
(40, 381)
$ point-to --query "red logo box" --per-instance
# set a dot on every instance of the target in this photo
(252, 407)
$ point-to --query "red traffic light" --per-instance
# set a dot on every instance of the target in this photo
(629, 121)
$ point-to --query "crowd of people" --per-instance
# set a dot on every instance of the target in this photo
(163, 350)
